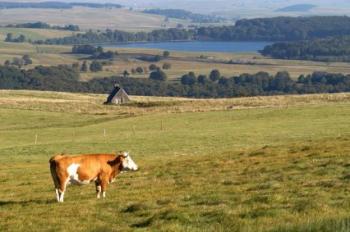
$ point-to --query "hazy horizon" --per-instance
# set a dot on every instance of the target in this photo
(233, 9)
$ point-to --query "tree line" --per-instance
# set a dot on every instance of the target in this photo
(42, 25)
(329, 49)
(66, 78)
(94, 52)
(117, 36)
(260, 29)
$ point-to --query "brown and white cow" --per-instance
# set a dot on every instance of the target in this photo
(84, 169)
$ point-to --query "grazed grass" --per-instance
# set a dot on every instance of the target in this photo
(250, 169)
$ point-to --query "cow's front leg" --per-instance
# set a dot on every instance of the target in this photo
(98, 189)
(104, 183)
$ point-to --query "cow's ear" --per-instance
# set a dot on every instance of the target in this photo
(125, 154)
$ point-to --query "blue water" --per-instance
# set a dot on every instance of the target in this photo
(199, 46)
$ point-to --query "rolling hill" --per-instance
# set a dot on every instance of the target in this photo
(297, 8)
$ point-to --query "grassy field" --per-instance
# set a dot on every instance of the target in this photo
(246, 164)
(89, 18)
(34, 34)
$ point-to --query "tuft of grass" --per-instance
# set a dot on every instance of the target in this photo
(136, 207)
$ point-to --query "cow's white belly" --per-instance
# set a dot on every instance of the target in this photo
(74, 177)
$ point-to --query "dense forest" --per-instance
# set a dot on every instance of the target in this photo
(66, 78)
(279, 29)
(41, 25)
(329, 49)
(262, 29)
(55, 5)
(184, 14)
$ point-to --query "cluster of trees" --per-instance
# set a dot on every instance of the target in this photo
(117, 36)
(19, 62)
(191, 78)
(19, 39)
(66, 78)
(183, 14)
(95, 52)
(94, 66)
(329, 49)
(261, 29)
(42, 25)
(150, 68)
(154, 58)
(54, 5)
(138, 70)
(60, 78)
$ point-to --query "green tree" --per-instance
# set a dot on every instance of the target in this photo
(166, 54)
(153, 67)
(158, 75)
(84, 67)
(202, 79)
(21, 39)
(125, 73)
(27, 60)
(188, 79)
(214, 75)
(9, 37)
(139, 70)
(95, 66)
(166, 66)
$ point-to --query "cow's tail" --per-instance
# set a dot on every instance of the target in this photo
(53, 169)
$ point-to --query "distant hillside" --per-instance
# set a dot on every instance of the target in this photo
(297, 8)
(260, 29)
(184, 14)
(55, 5)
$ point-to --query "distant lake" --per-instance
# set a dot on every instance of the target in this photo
(199, 46)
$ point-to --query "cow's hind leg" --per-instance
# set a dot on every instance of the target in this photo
(55, 179)
(63, 181)
(62, 190)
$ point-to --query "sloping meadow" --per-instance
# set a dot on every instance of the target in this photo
(256, 164)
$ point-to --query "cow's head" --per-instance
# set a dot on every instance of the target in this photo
(127, 163)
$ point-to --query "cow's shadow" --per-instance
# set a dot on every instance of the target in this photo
(27, 202)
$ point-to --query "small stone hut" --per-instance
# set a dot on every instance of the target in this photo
(117, 96)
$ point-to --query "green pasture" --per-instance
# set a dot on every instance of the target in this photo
(247, 169)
